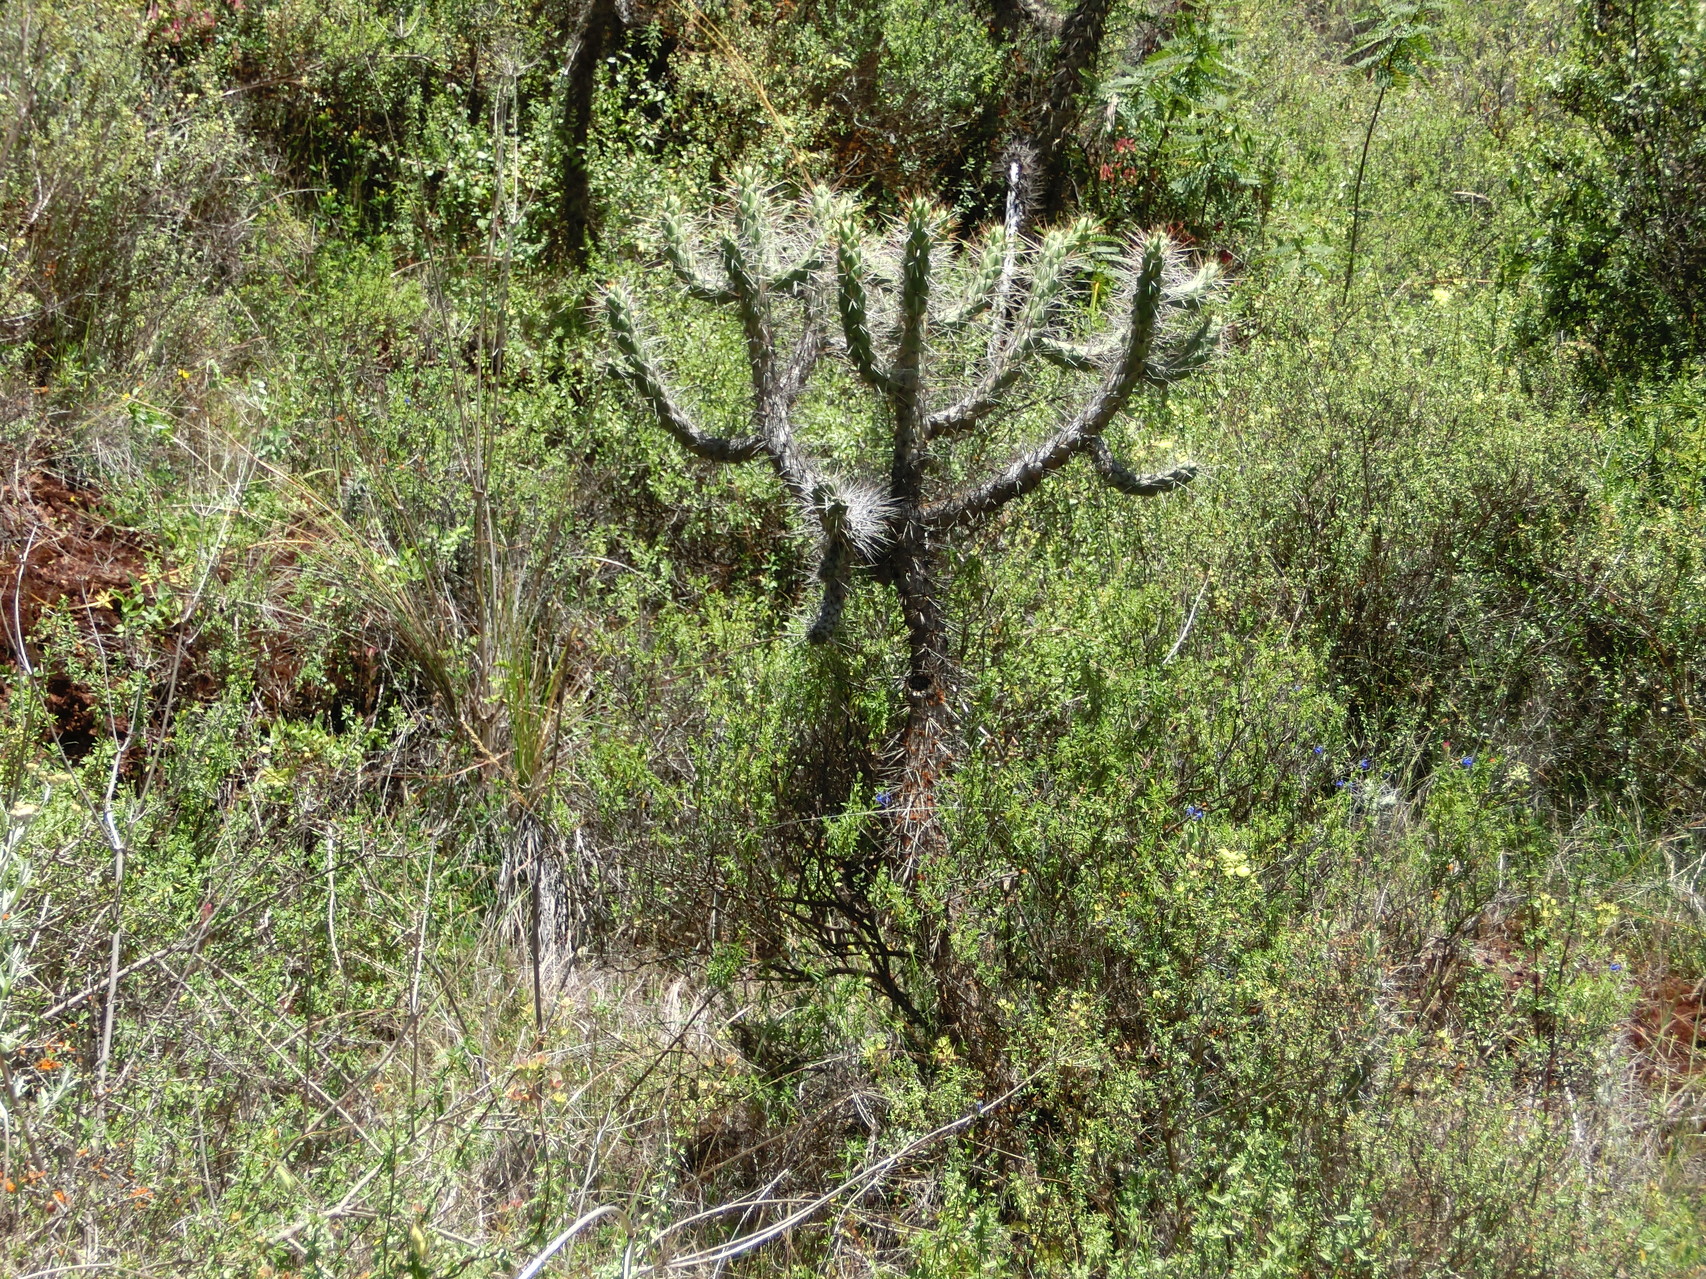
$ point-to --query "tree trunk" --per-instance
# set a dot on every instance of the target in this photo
(576, 222)
(927, 755)
(1048, 101)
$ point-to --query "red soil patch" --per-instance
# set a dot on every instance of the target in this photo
(57, 551)
(1669, 1028)
(55, 547)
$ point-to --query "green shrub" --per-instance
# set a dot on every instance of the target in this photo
(1174, 148)
(125, 193)
(1619, 264)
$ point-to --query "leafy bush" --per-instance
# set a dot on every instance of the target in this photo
(1174, 148)
(1619, 265)
(126, 193)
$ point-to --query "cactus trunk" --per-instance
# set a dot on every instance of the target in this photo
(926, 744)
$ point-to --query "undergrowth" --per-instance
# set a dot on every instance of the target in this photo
(428, 840)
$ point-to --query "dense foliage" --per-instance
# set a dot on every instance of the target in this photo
(1621, 256)
(432, 844)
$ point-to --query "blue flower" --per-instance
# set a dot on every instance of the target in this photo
(882, 799)
(1320, 750)
(1617, 968)
(1468, 761)
(1363, 763)
(1340, 784)
(1194, 813)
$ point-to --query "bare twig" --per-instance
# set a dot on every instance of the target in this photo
(537, 1264)
(1189, 621)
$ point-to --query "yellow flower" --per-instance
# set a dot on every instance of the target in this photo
(1234, 863)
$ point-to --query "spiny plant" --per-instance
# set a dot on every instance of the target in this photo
(942, 336)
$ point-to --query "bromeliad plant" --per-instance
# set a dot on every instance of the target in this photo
(943, 338)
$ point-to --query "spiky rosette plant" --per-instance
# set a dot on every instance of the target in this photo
(943, 335)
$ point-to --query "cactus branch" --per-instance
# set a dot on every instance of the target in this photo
(1116, 474)
(994, 266)
(752, 219)
(1029, 469)
(906, 378)
(1012, 344)
(1073, 357)
(984, 399)
(754, 309)
(792, 281)
(643, 375)
(852, 304)
(677, 251)
(808, 350)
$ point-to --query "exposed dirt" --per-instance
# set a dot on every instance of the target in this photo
(1669, 1028)
(55, 547)
(58, 552)
(1666, 1032)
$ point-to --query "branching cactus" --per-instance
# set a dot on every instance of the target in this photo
(944, 336)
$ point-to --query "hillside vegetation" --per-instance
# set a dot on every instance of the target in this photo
(471, 811)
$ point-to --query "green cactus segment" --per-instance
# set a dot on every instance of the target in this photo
(1066, 355)
(1147, 296)
(853, 306)
(994, 263)
(753, 216)
(678, 252)
(645, 379)
(1052, 269)
(921, 225)
(743, 276)
(1195, 293)
(1185, 357)
(795, 278)
(922, 222)
(754, 313)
